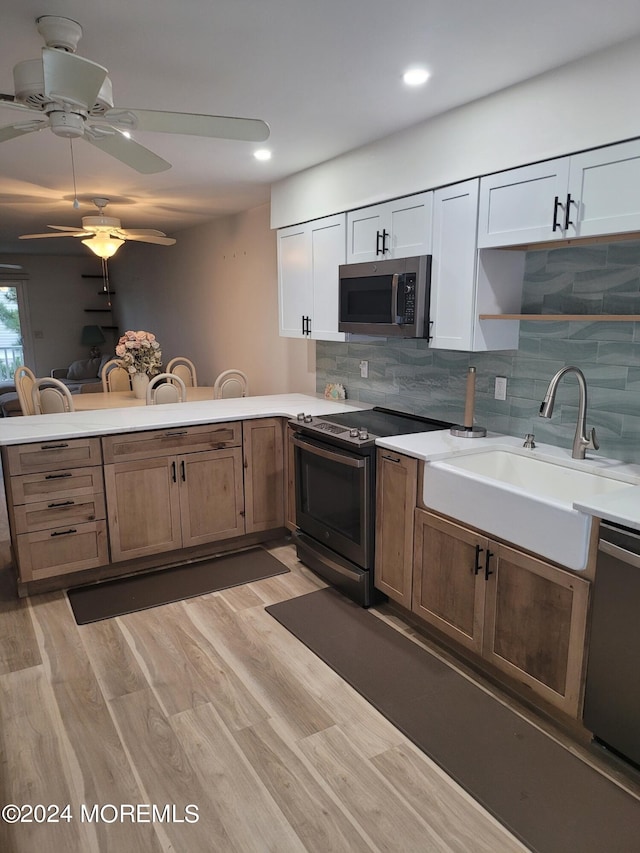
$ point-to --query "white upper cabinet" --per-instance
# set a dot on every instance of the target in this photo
(394, 229)
(466, 283)
(308, 259)
(604, 191)
(586, 195)
(524, 205)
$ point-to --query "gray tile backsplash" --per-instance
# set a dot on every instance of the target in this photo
(408, 376)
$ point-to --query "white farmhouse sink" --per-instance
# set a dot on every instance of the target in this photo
(522, 499)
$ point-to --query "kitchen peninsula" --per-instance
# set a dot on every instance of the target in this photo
(92, 495)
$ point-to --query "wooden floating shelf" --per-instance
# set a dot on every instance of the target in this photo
(609, 318)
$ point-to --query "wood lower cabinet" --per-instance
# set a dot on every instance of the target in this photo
(396, 492)
(56, 507)
(524, 616)
(160, 502)
(264, 474)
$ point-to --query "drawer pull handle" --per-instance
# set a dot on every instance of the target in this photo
(60, 446)
(176, 434)
(60, 503)
(58, 476)
(64, 532)
(476, 569)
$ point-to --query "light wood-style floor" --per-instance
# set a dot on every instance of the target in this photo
(209, 702)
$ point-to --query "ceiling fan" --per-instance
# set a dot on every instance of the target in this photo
(73, 97)
(104, 234)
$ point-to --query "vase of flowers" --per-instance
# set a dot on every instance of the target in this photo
(141, 355)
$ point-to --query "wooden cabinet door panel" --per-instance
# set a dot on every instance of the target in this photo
(162, 442)
(211, 496)
(47, 553)
(264, 474)
(56, 513)
(56, 485)
(448, 590)
(396, 494)
(143, 507)
(535, 625)
(53, 455)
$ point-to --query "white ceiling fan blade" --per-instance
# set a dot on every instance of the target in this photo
(127, 151)
(141, 232)
(63, 234)
(148, 238)
(15, 130)
(71, 78)
(10, 267)
(191, 124)
(73, 229)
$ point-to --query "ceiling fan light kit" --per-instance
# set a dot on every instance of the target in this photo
(103, 245)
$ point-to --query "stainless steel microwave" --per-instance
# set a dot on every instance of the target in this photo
(388, 298)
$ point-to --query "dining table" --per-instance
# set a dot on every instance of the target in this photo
(125, 399)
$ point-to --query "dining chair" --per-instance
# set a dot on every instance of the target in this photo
(23, 379)
(166, 388)
(50, 396)
(185, 369)
(231, 383)
(115, 377)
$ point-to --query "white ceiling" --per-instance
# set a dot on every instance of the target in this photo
(324, 74)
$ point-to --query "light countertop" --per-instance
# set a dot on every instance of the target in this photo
(66, 425)
(622, 507)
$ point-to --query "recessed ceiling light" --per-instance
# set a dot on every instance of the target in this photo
(415, 76)
(262, 154)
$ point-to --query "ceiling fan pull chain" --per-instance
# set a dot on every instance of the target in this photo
(76, 203)
(105, 281)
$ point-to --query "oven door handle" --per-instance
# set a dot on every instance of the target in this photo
(394, 299)
(333, 456)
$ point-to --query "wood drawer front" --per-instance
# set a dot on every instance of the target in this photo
(45, 515)
(53, 455)
(145, 445)
(58, 485)
(47, 553)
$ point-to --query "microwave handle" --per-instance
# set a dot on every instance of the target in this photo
(394, 298)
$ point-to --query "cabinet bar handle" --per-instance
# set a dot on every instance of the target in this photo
(556, 205)
(60, 446)
(476, 568)
(173, 472)
(183, 471)
(58, 476)
(395, 459)
(567, 212)
(379, 236)
(385, 234)
(64, 532)
(60, 503)
(175, 434)
(488, 557)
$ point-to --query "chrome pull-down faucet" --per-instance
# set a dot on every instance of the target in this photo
(581, 442)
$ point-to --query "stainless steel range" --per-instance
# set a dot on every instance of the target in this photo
(335, 478)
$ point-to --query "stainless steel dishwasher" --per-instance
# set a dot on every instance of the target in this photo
(612, 696)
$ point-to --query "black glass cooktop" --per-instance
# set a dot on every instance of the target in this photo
(381, 422)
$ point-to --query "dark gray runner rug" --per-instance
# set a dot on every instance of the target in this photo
(139, 592)
(547, 797)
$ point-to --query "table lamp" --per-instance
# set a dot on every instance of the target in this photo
(92, 336)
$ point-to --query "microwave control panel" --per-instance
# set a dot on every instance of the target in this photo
(407, 309)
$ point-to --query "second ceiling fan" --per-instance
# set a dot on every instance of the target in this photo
(73, 97)
(104, 234)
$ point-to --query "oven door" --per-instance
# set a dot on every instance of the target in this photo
(334, 494)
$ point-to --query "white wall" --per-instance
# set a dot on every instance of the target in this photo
(582, 105)
(213, 297)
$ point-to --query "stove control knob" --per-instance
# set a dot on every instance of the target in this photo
(363, 434)
(307, 419)
(353, 433)
(300, 416)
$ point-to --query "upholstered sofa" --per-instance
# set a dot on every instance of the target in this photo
(84, 372)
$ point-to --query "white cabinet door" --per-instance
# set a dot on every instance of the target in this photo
(466, 283)
(308, 259)
(394, 229)
(604, 186)
(453, 270)
(328, 251)
(294, 280)
(526, 205)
